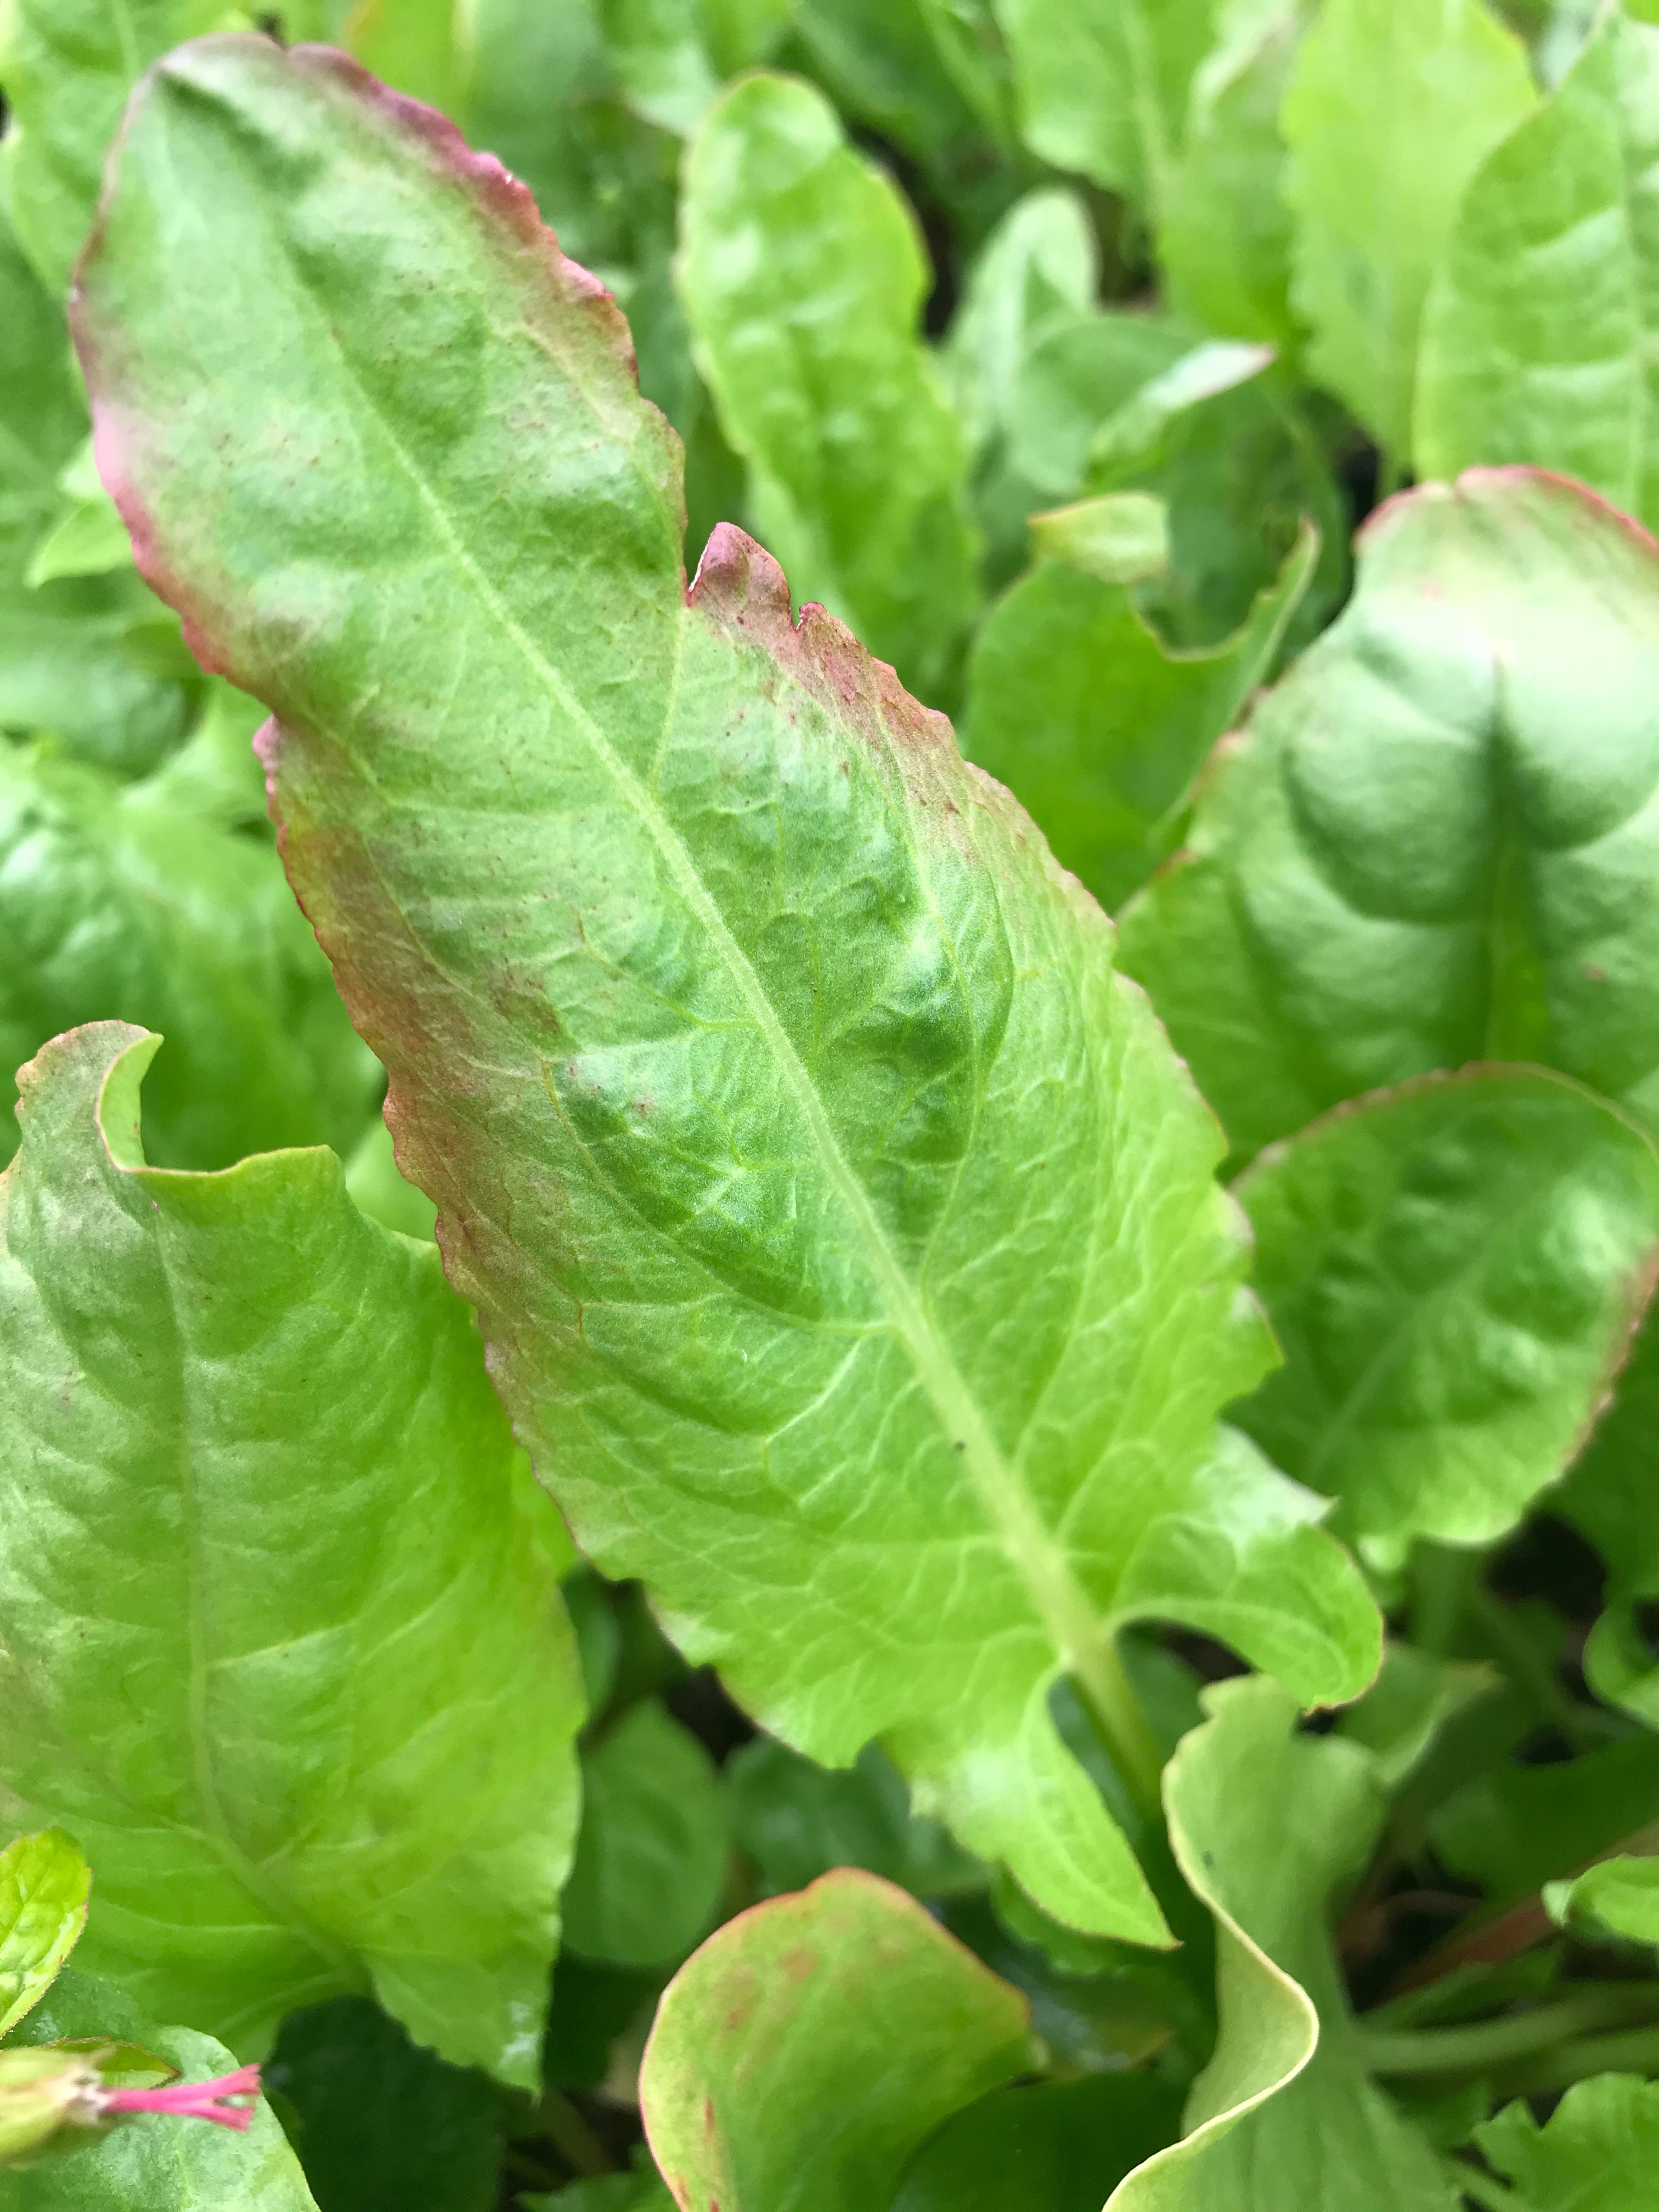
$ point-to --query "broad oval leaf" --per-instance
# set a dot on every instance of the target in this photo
(844, 1229)
(1391, 106)
(280, 1646)
(1437, 841)
(803, 276)
(160, 2163)
(1455, 1270)
(802, 2056)
(1539, 336)
(44, 1886)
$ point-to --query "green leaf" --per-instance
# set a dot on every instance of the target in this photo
(78, 656)
(383, 2126)
(44, 1886)
(1539, 336)
(280, 1647)
(1095, 375)
(651, 1858)
(1039, 267)
(67, 68)
(1273, 1829)
(378, 1190)
(833, 1142)
(1455, 1271)
(115, 902)
(1596, 2151)
(803, 2055)
(1103, 85)
(671, 57)
(417, 45)
(1078, 707)
(1225, 241)
(1391, 108)
(1054, 2147)
(159, 2164)
(1618, 1898)
(918, 73)
(1608, 1498)
(87, 536)
(1433, 847)
(1414, 1702)
(803, 275)
(1516, 1828)
(794, 1820)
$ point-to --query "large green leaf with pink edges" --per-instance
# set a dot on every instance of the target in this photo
(843, 1230)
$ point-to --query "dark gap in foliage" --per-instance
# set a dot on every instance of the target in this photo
(1210, 1661)
(1548, 1558)
(699, 1701)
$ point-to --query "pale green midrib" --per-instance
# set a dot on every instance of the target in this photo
(1067, 1614)
(216, 1831)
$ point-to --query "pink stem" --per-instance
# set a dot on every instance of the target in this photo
(190, 2101)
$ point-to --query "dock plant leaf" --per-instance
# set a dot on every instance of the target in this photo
(767, 2039)
(1539, 336)
(279, 1647)
(843, 1230)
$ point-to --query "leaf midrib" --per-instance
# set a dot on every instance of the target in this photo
(1064, 1607)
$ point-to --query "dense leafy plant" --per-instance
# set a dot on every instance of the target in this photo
(1103, 1649)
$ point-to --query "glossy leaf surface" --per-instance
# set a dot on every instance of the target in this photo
(280, 1648)
(803, 277)
(1538, 342)
(1391, 107)
(767, 2039)
(1455, 1272)
(44, 1882)
(762, 1067)
(1437, 841)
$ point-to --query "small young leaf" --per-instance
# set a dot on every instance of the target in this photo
(802, 2056)
(280, 1646)
(1597, 2152)
(1076, 704)
(1619, 1897)
(650, 1856)
(44, 1886)
(1455, 1271)
(159, 2164)
(845, 1231)
(1431, 846)
(1538, 340)
(1272, 1828)
(1224, 242)
(1392, 106)
(1103, 85)
(1114, 377)
(803, 276)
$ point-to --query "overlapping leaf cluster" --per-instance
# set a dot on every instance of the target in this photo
(1106, 1651)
